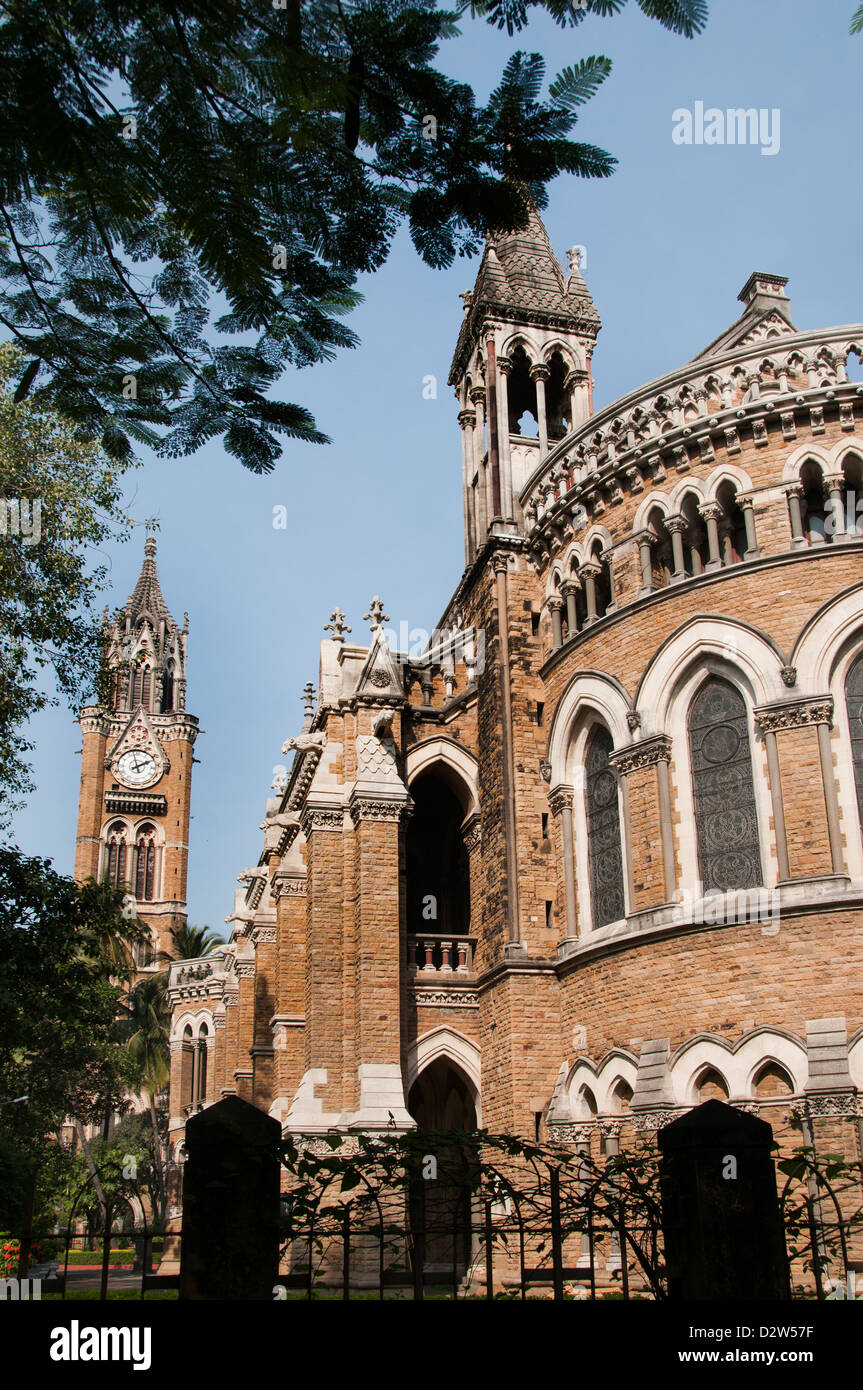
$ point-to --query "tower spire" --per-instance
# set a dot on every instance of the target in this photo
(521, 370)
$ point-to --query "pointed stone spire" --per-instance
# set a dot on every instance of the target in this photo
(309, 703)
(146, 599)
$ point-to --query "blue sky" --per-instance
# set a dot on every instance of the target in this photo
(671, 238)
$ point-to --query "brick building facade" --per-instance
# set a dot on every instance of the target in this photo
(595, 854)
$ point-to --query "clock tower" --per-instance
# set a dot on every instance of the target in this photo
(136, 771)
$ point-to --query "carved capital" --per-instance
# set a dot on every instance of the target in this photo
(500, 562)
(794, 714)
(560, 800)
(320, 818)
(262, 934)
(504, 365)
(712, 511)
(555, 603)
(467, 418)
(379, 809)
(647, 753)
(539, 372)
(477, 395)
(472, 833)
(288, 886)
(676, 523)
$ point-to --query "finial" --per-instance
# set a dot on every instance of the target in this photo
(337, 625)
(150, 547)
(577, 257)
(376, 614)
(309, 700)
(466, 296)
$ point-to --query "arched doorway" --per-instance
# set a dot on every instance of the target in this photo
(442, 1101)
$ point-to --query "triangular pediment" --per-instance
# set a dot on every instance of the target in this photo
(380, 677)
(140, 734)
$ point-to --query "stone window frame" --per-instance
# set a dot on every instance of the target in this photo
(683, 800)
(580, 733)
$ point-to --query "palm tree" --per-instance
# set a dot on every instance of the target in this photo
(149, 1054)
(192, 942)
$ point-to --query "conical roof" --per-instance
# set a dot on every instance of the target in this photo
(521, 280)
(147, 597)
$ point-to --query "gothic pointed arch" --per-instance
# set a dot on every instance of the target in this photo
(604, 850)
(726, 819)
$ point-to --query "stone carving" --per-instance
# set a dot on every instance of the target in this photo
(645, 754)
(789, 675)
(250, 875)
(545, 770)
(368, 808)
(320, 819)
(280, 820)
(305, 743)
(560, 800)
(447, 998)
(772, 718)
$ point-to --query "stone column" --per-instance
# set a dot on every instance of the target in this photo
(577, 383)
(232, 1029)
(264, 942)
(472, 836)
(485, 503)
(675, 526)
(569, 591)
(243, 1070)
(752, 551)
(555, 605)
(492, 387)
(644, 555)
(835, 485)
(467, 419)
(539, 373)
(377, 969)
(831, 799)
(590, 572)
(794, 492)
(504, 369)
(712, 513)
(323, 826)
(501, 569)
(643, 768)
(778, 805)
(560, 801)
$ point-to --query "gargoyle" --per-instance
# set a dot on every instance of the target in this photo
(305, 743)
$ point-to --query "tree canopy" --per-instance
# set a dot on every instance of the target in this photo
(190, 190)
(60, 499)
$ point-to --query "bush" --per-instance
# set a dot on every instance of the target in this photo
(94, 1257)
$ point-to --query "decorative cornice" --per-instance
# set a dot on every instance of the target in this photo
(794, 714)
(647, 753)
(445, 998)
(135, 803)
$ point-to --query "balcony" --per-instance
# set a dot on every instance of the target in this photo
(436, 957)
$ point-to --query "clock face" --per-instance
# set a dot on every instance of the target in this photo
(137, 768)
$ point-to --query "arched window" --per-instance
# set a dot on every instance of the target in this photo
(116, 856)
(661, 554)
(187, 1078)
(695, 551)
(145, 864)
(602, 580)
(168, 689)
(726, 822)
(732, 527)
(146, 683)
(201, 1080)
(814, 505)
(521, 396)
(603, 830)
(854, 702)
(145, 953)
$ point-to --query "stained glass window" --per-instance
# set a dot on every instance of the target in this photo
(603, 831)
(726, 823)
(854, 700)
